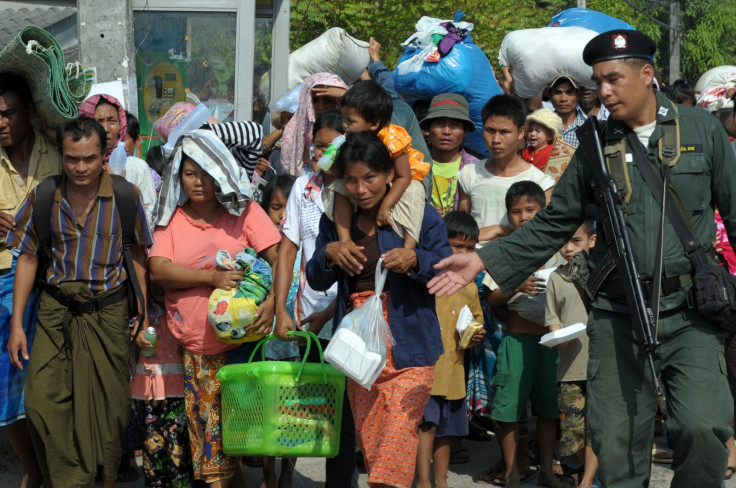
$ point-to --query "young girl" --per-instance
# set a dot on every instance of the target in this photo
(542, 126)
(312, 310)
(275, 196)
(157, 389)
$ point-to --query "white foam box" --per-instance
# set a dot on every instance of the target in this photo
(348, 354)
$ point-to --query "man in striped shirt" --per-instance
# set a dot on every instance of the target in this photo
(77, 395)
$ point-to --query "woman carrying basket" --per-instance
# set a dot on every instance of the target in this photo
(204, 208)
(386, 416)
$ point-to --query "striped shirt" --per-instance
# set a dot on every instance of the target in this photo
(243, 139)
(568, 134)
(92, 251)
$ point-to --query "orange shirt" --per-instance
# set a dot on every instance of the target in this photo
(398, 142)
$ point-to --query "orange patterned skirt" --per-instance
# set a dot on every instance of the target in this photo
(387, 416)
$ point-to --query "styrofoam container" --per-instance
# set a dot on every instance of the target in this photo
(348, 354)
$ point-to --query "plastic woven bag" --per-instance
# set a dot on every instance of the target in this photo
(358, 347)
(231, 311)
(57, 88)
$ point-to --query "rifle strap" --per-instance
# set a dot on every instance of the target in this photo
(675, 213)
(619, 171)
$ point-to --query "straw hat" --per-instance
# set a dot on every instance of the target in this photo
(546, 118)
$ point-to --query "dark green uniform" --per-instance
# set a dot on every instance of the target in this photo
(621, 399)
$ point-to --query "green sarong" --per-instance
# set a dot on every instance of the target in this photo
(78, 400)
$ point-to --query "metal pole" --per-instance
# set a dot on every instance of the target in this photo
(674, 41)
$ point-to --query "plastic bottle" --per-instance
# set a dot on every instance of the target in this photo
(117, 159)
(150, 336)
(328, 158)
(194, 120)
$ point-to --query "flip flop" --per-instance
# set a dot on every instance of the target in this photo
(496, 477)
(490, 476)
(730, 471)
(661, 455)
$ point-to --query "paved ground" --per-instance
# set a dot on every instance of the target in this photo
(310, 472)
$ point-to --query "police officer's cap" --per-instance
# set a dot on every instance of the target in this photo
(618, 44)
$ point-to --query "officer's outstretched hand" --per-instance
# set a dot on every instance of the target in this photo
(457, 271)
(17, 342)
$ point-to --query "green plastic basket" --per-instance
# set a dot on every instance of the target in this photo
(279, 408)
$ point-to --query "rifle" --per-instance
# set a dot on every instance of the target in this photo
(619, 244)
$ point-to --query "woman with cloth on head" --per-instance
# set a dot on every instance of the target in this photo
(320, 92)
(386, 416)
(203, 209)
(110, 113)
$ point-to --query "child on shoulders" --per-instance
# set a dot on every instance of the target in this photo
(366, 107)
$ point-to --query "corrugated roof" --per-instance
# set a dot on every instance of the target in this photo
(13, 20)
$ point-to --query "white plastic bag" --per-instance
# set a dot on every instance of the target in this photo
(466, 327)
(538, 55)
(358, 347)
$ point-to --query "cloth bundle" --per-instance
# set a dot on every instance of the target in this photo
(713, 86)
(231, 311)
(57, 89)
(538, 55)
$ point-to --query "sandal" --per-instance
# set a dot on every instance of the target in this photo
(490, 476)
(730, 471)
(460, 455)
(661, 455)
(496, 476)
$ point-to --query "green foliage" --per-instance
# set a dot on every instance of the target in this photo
(708, 31)
(708, 26)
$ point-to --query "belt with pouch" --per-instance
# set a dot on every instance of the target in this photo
(669, 285)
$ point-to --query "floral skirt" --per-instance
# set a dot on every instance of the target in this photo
(166, 458)
(388, 415)
(204, 412)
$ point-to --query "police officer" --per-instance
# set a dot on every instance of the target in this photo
(621, 399)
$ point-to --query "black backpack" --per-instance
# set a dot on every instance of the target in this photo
(127, 205)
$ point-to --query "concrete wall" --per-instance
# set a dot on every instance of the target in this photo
(106, 42)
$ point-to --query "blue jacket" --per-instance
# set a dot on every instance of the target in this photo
(411, 316)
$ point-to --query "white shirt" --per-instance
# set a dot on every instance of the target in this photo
(487, 191)
(138, 173)
(304, 209)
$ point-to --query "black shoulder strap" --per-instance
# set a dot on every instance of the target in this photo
(127, 206)
(41, 216)
(675, 213)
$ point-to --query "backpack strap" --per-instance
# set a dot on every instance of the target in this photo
(41, 216)
(127, 206)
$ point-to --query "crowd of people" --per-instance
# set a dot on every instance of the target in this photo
(92, 260)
